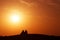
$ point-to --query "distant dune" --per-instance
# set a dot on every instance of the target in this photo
(25, 36)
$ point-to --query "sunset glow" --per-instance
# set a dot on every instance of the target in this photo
(15, 18)
(36, 16)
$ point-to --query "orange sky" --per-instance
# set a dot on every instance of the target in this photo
(39, 17)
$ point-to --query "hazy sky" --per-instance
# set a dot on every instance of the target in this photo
(43, 16)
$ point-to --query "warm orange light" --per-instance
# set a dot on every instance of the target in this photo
(15, 18)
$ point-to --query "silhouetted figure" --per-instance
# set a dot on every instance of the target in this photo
(24, 34)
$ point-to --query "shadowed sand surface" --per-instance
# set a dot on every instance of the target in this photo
(25, 36)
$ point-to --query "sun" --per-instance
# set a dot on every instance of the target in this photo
(15, 18)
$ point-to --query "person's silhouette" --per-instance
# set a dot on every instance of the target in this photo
(24, 33)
